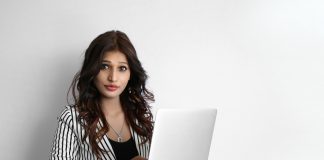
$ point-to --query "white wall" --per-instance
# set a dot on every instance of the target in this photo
(259, 62)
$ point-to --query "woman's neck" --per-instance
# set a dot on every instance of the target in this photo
(111, 107)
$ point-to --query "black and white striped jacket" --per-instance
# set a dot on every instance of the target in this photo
(67, 143)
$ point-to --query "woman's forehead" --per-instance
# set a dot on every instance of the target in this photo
(114, 57)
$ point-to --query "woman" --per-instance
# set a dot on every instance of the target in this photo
(111, 117)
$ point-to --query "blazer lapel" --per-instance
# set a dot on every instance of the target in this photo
(105, 144)
(141, 148)
(135, 137)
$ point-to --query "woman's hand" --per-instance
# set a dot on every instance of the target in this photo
(138, 158)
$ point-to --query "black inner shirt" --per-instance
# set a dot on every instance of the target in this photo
(124, 150)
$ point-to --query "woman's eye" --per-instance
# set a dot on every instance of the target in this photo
(122, 68)
(104, 66)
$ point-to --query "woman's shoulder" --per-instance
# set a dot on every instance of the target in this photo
(68, 113)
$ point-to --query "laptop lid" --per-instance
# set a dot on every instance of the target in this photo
(182, 134)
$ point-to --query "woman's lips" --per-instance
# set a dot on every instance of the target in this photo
(111, 87)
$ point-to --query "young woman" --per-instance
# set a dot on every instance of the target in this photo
(110, 118)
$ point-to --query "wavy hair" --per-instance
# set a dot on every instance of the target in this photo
(134, 99)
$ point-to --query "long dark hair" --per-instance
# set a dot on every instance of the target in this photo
(134, 99)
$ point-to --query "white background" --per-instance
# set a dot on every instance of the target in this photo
(259, 62)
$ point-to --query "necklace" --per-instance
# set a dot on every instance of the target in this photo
(119, 134)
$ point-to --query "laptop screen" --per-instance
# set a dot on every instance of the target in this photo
(182, 134)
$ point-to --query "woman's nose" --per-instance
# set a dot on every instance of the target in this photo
(112, 76)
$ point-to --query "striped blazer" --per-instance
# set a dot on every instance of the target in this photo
(68, 145)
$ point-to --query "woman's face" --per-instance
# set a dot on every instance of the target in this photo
(113, 76)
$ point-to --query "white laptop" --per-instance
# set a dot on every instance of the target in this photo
(182, 134)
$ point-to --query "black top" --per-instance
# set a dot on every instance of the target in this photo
(124, 150)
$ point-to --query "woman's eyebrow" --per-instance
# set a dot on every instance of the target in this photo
(118, 62)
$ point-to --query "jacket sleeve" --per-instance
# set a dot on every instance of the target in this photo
(65, 144)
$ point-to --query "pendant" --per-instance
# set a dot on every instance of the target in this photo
(119, 139)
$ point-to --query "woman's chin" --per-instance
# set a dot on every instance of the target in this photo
(110, 95)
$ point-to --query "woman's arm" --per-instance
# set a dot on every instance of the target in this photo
(65, 143)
